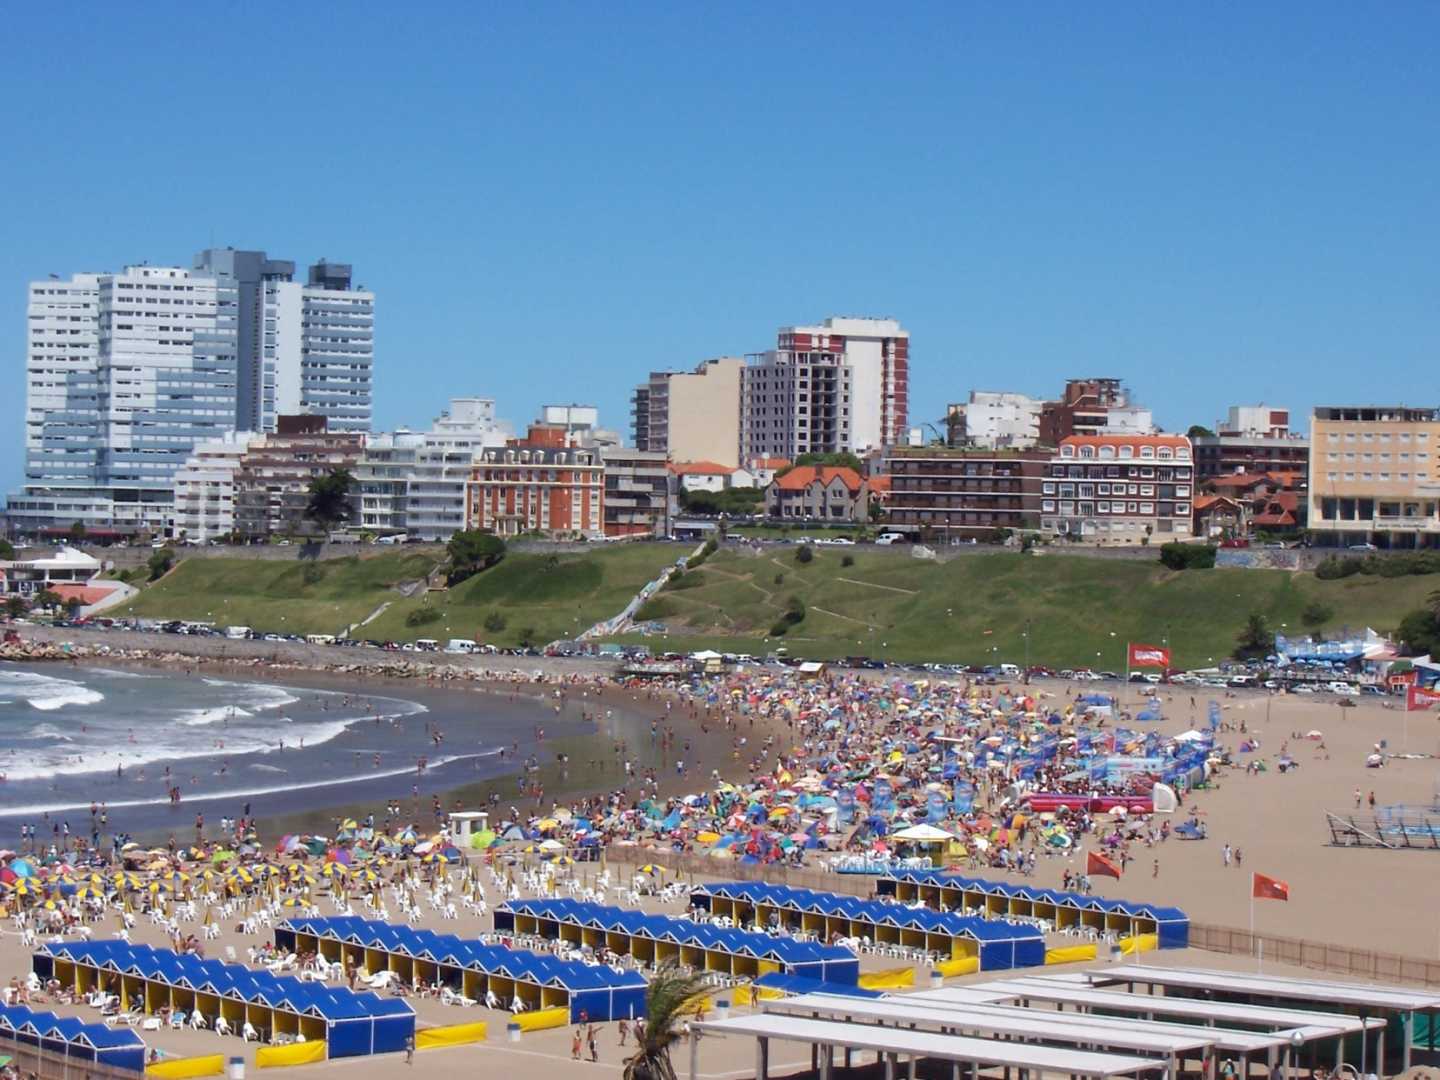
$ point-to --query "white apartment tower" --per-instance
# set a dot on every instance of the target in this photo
(877, 351)
(128, 372)
(125, 374)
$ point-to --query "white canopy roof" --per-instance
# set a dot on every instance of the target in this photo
(1300, 991)
(922, 832)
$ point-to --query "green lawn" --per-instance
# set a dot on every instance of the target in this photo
(553, 596)
(976, 608)
(280, 596)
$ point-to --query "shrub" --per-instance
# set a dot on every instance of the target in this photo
(1178, 556)
(779, 629)
(685, 581)
(1334, 568)
(527, 636)
(805, 554)
(494, 622)
(160, 563)
(780, 578)
(423, 616)
(313, 574)
(847, 560)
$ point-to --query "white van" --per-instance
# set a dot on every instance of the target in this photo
(237, 632)
(461, 645)
(426, 644)
(1010, 671)
(1344, 688)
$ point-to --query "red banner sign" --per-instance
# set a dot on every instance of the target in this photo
(1149, 656)
(1419, 698)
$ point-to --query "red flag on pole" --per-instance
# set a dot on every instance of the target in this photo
(1149, 656)
(1097, 865)
(1269, 888)
(1420, 698)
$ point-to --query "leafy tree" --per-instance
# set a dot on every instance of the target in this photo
(804, 554)
(46, 599)
(1178, 556)
(742, 501)
(77, 532)
(330, 498)
(1316, 614)
(1419, 631)
(1200, 431)
(472, 551)
(847, 560)
(423, 616)
(1256, 640)
(160, 563)
(7, 549)
(73, 606)
(14, 607)
(672, 994)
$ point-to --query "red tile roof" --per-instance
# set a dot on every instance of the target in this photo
(802, 476)
(880, 485)
(700, 468)
(86, 594)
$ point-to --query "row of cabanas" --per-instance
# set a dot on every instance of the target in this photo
(278, 1007)
(1001, 899)
(997, 946)
(471, 968)
(658, 939)
(72, 1038)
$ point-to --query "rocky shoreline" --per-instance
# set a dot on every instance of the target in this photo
(47, 644)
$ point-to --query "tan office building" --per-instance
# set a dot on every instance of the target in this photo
(1375, 476)
(691, 415)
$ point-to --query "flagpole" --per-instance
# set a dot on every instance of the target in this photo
(1254, 941)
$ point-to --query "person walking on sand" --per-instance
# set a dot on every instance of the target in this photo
(624, 1030)
(575, 1046)
(1155, 873)
(594, 1046)
(1225, 855)
(1372, 800)
(1357, 798)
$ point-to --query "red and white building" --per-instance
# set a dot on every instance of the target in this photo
(540, 483)
(1119, 489)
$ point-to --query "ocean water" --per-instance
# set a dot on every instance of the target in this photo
(73, 735)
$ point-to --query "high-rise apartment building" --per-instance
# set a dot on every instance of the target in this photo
(205, 488)
(691, 415)
(272, 479)
(794, 403)
(877, 351)
(1375, 476)
(128, 372)
(125, 374)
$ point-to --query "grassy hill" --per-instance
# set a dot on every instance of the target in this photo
(976, 609)
(552, 596)
(286, 597)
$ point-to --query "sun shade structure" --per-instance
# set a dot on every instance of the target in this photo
(890, 1043)
(999, 899)
(739, 954)
(1395, 1006)
(592, 992)
(795, 985)
(997, 945)
(148, 979)
(70, 1036)
(1315, 1032)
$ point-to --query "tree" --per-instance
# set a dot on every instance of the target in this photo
(1256, 639)
(14, 607)
(1200, 431)
(330, 498)
(73, 606)
(672, 994)
(160, 563)
(1316, 614)
(494, 622)
(46, 599)
(7, 549)
(77, 532)
(1419, 631)
(472, 551)
(804, 554)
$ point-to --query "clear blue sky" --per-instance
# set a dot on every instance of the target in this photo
(1218, 204)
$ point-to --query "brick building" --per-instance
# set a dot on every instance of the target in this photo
(540, 483)
(956, 494)
(272, 479)
(819, 493)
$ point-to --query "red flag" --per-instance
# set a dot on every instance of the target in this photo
(1149, 656)
(1269, 888)
(1097, 865)
(1419, 698)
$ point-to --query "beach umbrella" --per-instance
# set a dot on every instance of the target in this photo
(89, 892)
(435, 859)
(651, 869)
(334, 870)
